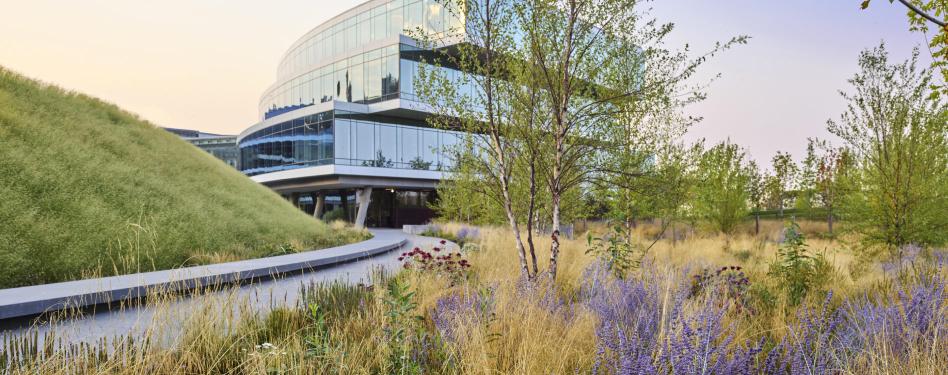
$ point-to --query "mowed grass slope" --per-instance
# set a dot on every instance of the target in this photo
(89, 189)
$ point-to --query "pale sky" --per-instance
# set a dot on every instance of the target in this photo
(203, 64)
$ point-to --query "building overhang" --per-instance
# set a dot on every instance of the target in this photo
(395, 107)
(328, 177)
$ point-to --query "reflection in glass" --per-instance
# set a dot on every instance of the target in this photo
(373, 80)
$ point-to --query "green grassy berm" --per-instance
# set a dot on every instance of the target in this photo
(88, 189)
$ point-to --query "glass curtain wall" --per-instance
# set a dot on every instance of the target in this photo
(346, 139)
(292, 144)
(371, 143)
(305, 68)
(365, 78)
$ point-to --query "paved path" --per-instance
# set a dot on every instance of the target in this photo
(33, 300)
(116, 322)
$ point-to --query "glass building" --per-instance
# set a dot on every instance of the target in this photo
(340, 132)
(223, 147)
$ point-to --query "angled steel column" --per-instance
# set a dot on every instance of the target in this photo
(363, 198)
(320, 202)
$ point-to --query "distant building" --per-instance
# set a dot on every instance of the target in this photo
(223, 147)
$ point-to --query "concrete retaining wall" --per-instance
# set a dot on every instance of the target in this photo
(38, 299)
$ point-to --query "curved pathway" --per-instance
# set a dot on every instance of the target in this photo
(350, 264)
(33, 300)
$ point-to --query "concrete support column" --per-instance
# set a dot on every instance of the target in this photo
(320, 200)
(363, 198)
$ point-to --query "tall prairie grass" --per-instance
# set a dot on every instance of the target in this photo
(656, 320)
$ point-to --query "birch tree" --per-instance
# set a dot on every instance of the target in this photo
(598, 64)
(898, 134)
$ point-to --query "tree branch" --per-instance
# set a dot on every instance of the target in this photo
(922, 13)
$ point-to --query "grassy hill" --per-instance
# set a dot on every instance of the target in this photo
(89, 189)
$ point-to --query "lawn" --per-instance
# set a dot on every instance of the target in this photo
(89, 189)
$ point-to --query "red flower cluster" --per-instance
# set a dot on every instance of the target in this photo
(451, 264)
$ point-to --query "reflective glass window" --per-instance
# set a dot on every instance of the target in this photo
(338, 43)
(429, 146)
(341, 82)
(409, 144)
(390, 75)
(351, 38)
(343, 139)
(365, 31)
(373, 79)
(406, 78)
(327, 91)
(434, 16)
(379, 27)
(414, 15)
(365, 140)
(396, 23)
(357, 83)
(326, 140)
(387, 142)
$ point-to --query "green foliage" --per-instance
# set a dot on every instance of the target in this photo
(336, 214)
(898, 136)
(90, 189)
(401, 326)
(317, 340)
(923, 15)
(284, 249)
(797, 271)
(380, 161)
(616, 249)
(721, 194)
(419, 163)
(782, 182)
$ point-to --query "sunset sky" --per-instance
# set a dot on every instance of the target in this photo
(203, 64)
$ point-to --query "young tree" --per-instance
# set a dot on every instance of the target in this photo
(833, 179)
(553, 80)
(923, 14)
(596, 63)
(721, 193)
(486, 112)
(782, 181)
(805, 197)
(756, 192)
(898, 134)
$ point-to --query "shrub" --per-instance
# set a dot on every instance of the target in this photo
(797, 271)
(337, 214)
(450, 265)
(729, 283)
(615, 250)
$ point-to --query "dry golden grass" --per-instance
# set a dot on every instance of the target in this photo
(522, 335)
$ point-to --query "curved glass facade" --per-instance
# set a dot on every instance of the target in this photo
(343, 138)
(331, 63)
(355, 58)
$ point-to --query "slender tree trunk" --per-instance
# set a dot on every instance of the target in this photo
(829, 222)
(757, 223)
(532, 207)
(555, 245)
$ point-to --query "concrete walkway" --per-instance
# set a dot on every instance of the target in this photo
(33, 300)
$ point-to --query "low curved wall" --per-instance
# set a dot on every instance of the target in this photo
(39, 299)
